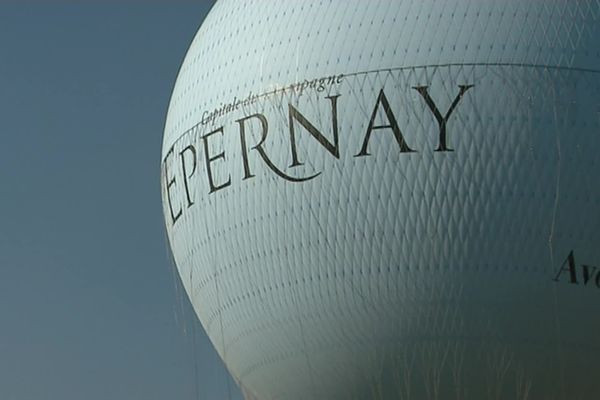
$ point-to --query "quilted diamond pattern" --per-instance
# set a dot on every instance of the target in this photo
(423, 274)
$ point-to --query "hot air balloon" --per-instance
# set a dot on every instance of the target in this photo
(392, 199)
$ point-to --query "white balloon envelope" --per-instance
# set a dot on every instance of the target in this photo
(392, 199)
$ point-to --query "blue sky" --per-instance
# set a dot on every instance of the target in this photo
(88, 301)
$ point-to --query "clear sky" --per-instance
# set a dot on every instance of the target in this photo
(88, 299)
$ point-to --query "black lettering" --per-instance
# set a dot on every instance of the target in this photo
(204, 119)
(587, 274)
(568, 266)
(186, 176)
(442, 120)
(169, 183)
(333, 148)
(321, 86)
(209, 159)
(381, 99)
(258, 147)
